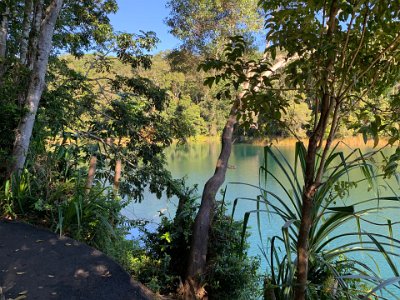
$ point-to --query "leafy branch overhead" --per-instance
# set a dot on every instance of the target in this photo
(363, 48)
(262, 96)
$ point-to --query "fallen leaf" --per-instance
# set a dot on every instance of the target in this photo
(20, 273)
(106, 274)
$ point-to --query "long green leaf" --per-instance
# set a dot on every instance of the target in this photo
(385, 254)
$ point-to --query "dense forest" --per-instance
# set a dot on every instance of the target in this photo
(203, 110)
(87, 112)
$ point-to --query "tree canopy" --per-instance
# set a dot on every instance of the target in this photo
(202, 25)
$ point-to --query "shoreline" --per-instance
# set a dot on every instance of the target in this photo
(350, 142)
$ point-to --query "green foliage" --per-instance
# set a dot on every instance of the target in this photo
(11, 111)
(231, 273)
(14, 195)
(103, 108)
(55, 195)
(187, 116)
(260, 100)
(204, 25)
(195, 106)
(83, 25)
(73, 97)
(392, 165)
(330, 248)
(346, 51)
(160, 264)
(86, 216)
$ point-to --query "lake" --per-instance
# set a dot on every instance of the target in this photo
(196, 162)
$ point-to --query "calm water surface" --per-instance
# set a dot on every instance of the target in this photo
(196, 162)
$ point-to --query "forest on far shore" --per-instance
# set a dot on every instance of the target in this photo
(203, 110)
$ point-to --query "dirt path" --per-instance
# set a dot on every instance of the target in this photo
(38, 264)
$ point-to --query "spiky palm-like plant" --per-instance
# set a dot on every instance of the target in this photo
(332, 274)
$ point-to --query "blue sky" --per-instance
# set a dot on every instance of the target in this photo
(146, 15)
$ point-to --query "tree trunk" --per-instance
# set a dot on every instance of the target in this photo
(199, 245)
(302, 244)
(192, 288)
(26, 28)
(4, 33)
(310, 187)
(34, 34)
(3, 41)
(91, 173)
(117, 174)
(312, 183)
(36, 86)
(29, 38)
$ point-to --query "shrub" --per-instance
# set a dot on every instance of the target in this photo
(161, 261)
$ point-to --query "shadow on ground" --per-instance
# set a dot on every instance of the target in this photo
(38, 264)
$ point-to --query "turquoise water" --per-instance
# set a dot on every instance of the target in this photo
(196, 162)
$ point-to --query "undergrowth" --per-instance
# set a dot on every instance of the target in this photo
(161, 256)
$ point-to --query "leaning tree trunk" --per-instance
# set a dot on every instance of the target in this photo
(192, 288)
(199, 245)
(36, 86)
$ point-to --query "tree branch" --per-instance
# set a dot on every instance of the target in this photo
(392, 45)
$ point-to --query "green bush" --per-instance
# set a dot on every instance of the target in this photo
(161, 261)
(53, 193)
(232, 274)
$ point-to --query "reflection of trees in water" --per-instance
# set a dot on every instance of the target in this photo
(187, 158)
(247, 151)
(248, 159)
(192, 151)
(192, 159)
